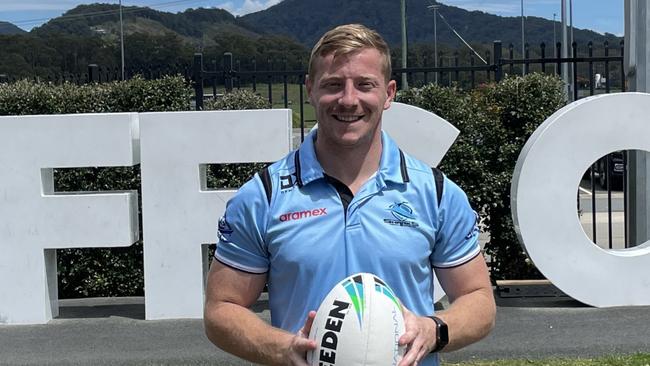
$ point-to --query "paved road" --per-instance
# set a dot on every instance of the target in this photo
(112, 332)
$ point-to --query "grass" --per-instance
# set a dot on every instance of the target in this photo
(277, 92)
(640, 359)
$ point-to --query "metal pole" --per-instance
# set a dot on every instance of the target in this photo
(571, 22)
(637, 71)
(523, 38)
(572, 85)
(554, 38)
(122, 39)
(435, 38)
(564, 53)
(405, 85)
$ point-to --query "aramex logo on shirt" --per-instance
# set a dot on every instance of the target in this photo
(303, 214)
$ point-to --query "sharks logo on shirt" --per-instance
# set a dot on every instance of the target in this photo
(403, 215)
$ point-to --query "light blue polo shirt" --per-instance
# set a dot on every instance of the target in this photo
(307, 241)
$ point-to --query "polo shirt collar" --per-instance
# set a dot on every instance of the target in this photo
(392, 165)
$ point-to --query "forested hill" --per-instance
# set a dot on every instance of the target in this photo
(306, 20)
(8, 28)
(279, 36)
(87, 20)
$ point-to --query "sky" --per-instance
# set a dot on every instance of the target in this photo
(598, 15)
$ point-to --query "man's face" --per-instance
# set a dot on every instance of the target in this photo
(350, 93)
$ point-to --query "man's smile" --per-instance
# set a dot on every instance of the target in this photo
(347, 117)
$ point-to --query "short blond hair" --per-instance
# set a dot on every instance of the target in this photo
(347, 39)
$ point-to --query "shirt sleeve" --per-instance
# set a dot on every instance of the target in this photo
(241, 230)
(457, 236)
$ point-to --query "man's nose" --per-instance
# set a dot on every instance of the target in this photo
(348, 95)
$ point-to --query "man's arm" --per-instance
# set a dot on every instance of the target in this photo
(472, 310)
(231, 326)
(470, 316)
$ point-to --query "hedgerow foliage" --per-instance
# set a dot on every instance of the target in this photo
(237, 99)
(495, 121)
(169, 93)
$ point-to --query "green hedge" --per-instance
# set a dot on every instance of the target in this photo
(495, 121)
(169, 93)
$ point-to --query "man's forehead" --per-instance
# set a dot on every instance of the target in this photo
(330, 63)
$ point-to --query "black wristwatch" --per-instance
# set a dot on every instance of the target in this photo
(442, 334)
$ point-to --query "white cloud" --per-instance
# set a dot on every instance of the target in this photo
(229, 6)
(492, 7)
(250, 6)
(500, 7)
(32, 5)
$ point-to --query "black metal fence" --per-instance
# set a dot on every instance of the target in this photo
(582, 65)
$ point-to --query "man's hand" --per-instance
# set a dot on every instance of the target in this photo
(296, 353)
(419, 337)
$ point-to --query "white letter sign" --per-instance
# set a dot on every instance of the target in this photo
(543, 199)
(35, 220)
(178, 212)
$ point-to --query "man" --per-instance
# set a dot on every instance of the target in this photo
(347, 201)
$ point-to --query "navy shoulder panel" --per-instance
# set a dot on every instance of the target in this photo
(440, 180)
(265, 176)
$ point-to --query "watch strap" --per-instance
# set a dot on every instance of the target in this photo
(442, 334)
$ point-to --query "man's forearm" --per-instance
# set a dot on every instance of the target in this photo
(469, 318)
(239, 331)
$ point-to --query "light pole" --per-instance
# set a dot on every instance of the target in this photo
(571, 22)
(554, 40)
(122, 39)
(435, 38)
(523, 39)
(405, 84)
(565, 51)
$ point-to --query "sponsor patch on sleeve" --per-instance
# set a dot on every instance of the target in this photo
(224, 230)
(475, 229)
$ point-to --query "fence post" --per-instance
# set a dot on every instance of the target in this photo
(526, 57)
(542, 48)
(456, 63)
(558, 65)
(254, 75)
(228, 71)
(623, 88)
(93, 73)
(574, 48)
(498, 69)
(214, 78)
(439, 77)
(197, 78)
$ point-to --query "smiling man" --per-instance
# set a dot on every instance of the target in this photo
(347, 201)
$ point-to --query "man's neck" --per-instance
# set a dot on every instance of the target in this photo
(352, 166)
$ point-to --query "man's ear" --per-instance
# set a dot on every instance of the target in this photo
(308, 85)
(391, 91)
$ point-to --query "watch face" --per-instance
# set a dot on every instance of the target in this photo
(442, 334)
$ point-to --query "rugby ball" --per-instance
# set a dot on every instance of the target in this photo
(359, 323)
